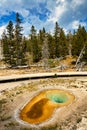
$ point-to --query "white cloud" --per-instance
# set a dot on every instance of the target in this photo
(58, 11)
(51, 5)
(67, 13)
(60, 1)
(76, 3)
(26, 27)
(75, 24)
(23, 12)
(66, 31)
(7, 6)
(2, 28)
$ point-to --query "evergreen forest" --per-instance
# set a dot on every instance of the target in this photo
(19, 50)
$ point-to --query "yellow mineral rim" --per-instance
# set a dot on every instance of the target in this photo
(42, 106)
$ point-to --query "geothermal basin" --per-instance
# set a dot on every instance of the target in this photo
(42, 106)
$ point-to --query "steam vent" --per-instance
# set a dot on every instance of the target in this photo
(41, 107)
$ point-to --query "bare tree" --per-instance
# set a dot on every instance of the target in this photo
(45, 52)
(80, 64)
(69, 38)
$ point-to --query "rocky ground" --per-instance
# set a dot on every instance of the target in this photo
(75, 117)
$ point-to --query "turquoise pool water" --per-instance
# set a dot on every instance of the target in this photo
(57, 97)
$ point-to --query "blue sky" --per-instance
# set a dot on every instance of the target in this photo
(44, 13)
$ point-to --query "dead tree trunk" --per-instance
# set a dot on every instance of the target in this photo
(78, 62)
(45, 52)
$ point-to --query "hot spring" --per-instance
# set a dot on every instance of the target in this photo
(41, 107)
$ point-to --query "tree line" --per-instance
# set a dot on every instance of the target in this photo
(17, 50)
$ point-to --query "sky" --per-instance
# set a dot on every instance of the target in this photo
(44, 13)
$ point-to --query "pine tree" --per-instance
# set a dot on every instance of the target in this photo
(10, 30)
(56, 38)
(79, 39)
(85, 53)
(41, 36)
(34, 44)
(20, 52)
(10, 36)
(18, 28)
(5, 47)
(8, 44)
(51, 46)
(63, 48)
(13, 44)
(23, 50)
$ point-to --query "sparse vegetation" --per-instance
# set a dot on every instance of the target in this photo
(2, 101)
